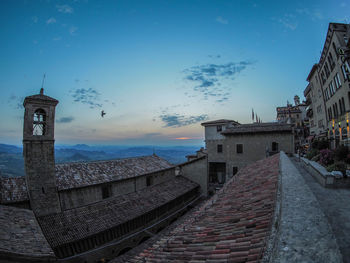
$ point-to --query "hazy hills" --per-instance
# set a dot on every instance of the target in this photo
(12, 164)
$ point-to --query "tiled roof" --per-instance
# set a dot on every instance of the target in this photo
(75, 224)
(21, 234)
(221, 121)
(13, 189)
(258, 128)
(41, 97)
(233, 226)
(72, 175)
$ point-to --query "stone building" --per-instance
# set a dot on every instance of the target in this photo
(296, 116)
(332, 76)
(92, 211)
(238, 145)
(316, 107)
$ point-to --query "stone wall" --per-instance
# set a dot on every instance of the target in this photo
(213, 154)
(254, 148)
(40, 176)
(77, 197)
(197, 171)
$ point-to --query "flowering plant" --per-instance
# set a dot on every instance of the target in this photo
(326, 157)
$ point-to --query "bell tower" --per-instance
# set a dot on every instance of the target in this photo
(38, 152)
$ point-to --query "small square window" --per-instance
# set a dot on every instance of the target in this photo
(106, 191)
(234, 170)
(218, 128)
(149, 180)
(239, 148)
(219, 148)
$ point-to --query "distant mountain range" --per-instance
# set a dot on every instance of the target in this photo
(12, 163)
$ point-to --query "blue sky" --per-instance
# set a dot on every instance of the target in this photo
(157, 68)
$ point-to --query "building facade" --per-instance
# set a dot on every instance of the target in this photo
(316, 111)
(241, 144)
(332, 76)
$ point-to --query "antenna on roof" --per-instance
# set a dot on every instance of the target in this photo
(42, 85)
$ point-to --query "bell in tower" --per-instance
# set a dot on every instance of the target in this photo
(38, 152)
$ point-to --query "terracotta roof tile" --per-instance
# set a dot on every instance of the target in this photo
(72, 175)
(21, 234)
(78, 223)
(13, 189)
(81, 174)
(258, 128)
(232, 226)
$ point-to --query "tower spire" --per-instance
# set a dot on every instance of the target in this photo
(42, 86)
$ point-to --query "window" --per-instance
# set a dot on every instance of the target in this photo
(106, 191)
(331, 88)
(219, 148)
(323, 77)
(234, 170)
(335, 110)
(326, 69)
(330, 114)
(320, 123)
(218, 128)
(39, 122)
(319, 109)
(274, 146)
(149, 180)
(239, 148)
(326, 94)
(337, 81)
(335, 50)
(331, 60)
(346, 71)
(343, 104)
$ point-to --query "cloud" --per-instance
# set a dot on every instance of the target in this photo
(72, 30)
(51, 20)
(176, 120)
(15, 101)
(288, 21)
(209, 78)
(314, 14)
(57, 38)
(35, 19)
(221, 20)
(65, 120)
(66, 9)
(87, 96)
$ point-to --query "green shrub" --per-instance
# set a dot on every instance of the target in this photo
(326, 157)
(316, 158)
(322, 145)
(337, 166)
(311, 153)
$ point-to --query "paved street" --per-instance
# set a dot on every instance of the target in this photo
(335, 204)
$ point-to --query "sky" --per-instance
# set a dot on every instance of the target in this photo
(157, 68)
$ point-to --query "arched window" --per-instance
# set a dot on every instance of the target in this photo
(39, 122)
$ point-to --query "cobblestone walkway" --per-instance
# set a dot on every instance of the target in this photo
(305, 234)
(335, 204)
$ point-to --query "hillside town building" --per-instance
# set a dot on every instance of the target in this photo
(329, 81)
(296, 116)
(232, 147)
